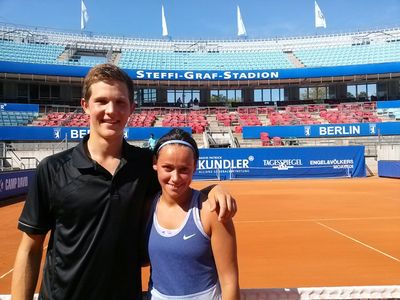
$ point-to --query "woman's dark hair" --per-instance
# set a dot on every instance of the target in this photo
(180, 135)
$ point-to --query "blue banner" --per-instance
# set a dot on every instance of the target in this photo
(15, 183)
(36, 133)
(183, 75)
(19, 107)
(288, 73)
(389, 168)
(324, 130)
(388, 104)
(268, 163)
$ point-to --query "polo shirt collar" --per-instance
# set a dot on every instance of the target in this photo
(81, 160)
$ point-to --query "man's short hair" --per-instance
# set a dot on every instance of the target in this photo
(106, 73)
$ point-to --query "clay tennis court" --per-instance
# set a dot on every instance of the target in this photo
(294, 233)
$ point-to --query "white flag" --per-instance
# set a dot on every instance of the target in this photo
(164, 22)
(84, 15)
(240, 24)
(319, 17)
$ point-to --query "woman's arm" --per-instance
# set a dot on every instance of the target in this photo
(223, 243)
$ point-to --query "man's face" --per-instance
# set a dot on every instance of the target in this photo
(108, 108)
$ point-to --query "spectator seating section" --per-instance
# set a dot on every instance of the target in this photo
(17, 118)
(265, 140)
(43, 54)
(391, 113)
(348, 113)
(150, 55)
(199, 119)
(350, 55)
(71, 119)
(169, 60)
(196, 120)
(226, 119)
(143, 119)
(250, 119)
(30, 53)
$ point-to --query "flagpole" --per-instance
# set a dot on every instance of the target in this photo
(84, 16)
(240, 25)
(319, 17)
(164, 23)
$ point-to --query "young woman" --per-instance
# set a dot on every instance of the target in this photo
(192, 254)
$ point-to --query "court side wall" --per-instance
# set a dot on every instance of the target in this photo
(281, 162)
(389, 161)
(15, 183)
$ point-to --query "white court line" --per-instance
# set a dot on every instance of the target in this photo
(316, 220)
(357, 241)
(5, 274)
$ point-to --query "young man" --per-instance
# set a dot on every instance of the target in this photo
(92, 200)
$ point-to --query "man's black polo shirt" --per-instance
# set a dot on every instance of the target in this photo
(96, 222)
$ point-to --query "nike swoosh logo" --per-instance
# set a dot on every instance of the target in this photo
(186, 237)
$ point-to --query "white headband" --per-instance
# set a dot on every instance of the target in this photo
(176, 142)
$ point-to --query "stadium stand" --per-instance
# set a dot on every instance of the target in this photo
(43, 46)
(17, 118)
(35, 60)
(350, 55)
(171, 60)
(30, 53)
(345, 113)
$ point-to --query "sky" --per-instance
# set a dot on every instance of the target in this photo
(203, 19)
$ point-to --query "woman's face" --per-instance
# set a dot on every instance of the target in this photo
(175, 167)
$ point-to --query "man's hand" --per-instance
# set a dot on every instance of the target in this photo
(222, 202)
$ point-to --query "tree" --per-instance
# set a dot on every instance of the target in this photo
(314, 93)
(218, 98)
